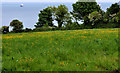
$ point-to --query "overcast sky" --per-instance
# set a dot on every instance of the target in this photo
(56, 1)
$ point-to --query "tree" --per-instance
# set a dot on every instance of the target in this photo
(95, 17)
(60, 14)
(82, 9)
(5, 29)
(112, 14)
(17, 25)
(116, 18)
(45, 18)
(114, 8)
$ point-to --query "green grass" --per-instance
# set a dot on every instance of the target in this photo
(74, 50)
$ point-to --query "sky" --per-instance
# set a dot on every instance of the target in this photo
(56, 1)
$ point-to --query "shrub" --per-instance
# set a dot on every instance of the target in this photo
(4, 29)
(27, 30)
(42, 29)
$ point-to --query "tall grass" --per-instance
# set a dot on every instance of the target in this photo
(74, 50)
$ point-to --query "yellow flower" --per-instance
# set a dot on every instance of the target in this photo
(61, 63)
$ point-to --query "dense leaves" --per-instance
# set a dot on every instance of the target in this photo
(4, 29)
(45, 18)
(95, 17)
(17, 25)
(113, 9)
(82, 9)
(60, 14)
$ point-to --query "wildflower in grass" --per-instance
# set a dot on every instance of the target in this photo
(77, 64)
(61, 64)
(57, 48)
(26, 60)
(84, 68)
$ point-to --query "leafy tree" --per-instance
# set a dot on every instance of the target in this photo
(82, 9)
(114, 8)
(112, 14)
(106, 18)
(45, 18)
(75, 16)
(5, 29)
(116, 19)
(17, 26)
(27, 29)
(60, 14)
(95, 17)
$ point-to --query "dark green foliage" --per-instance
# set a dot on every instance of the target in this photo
(60, 14)
(72, 26)
(17, 26)
(5, 29)
(114, 8)
(27, 30)
(45, 18)
(84, 8)
(106, 25)
(116, 18)
(95, 18)
(112, 16)
(43, 29)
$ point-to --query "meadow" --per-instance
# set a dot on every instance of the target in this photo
(71, 50)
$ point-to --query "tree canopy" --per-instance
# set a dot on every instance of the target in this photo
(45, 18)
(17, 25)
(60, 14)
(5, 29)
(81, 9)
(95, 17)
(114, 8)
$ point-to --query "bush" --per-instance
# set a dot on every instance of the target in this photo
(43, 29)
(72, 26)
(27, 30)
(17, 26)
(108, 25)
(4, 29)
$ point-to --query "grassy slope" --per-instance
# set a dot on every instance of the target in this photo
(75, 50)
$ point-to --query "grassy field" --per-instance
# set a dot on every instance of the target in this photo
(73, 50)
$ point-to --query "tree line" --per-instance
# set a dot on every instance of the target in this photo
(89, 13)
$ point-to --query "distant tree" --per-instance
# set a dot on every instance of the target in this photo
(112, 14)
(114, 8)
(27, 30)
(5, 29)
(82, 9)
(60, 14)
(17, 26)
(116, 19)
(118, 15)
(95, 17)
(45, 18)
